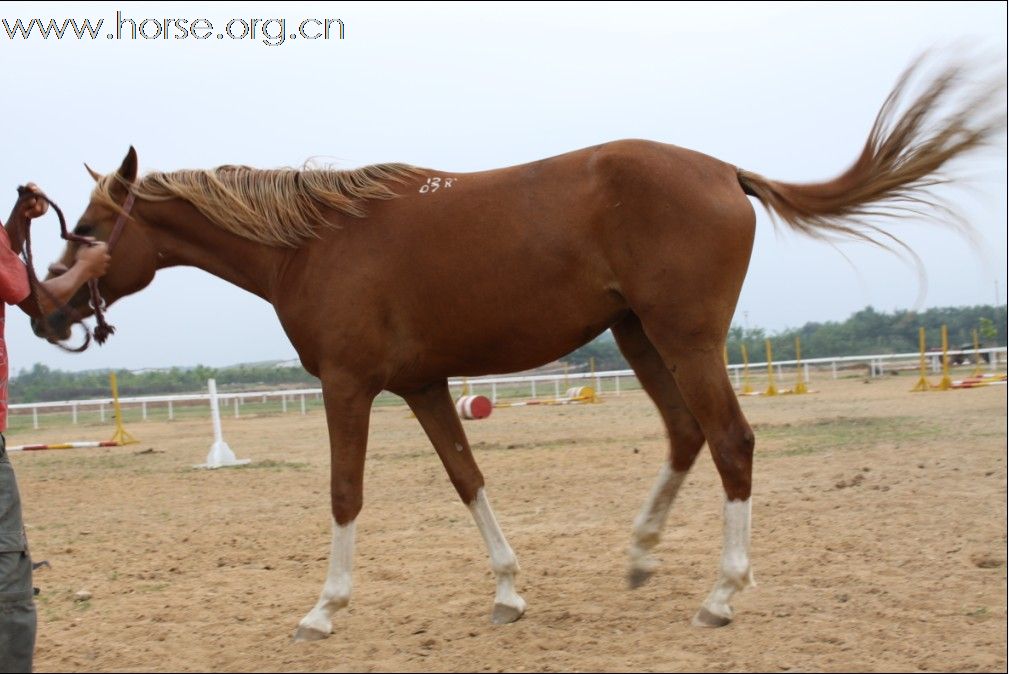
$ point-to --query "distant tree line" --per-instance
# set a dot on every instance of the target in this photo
(42, 383)
(865, 332)
(869, 332)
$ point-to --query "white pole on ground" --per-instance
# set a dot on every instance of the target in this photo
(533, 396)
(101, 412)
(833, 369)
(302, 404)
(493, 392)
(805, 372)
(220, 454)
(73, 412)
(557, 389)
(237, 413)
(35, 418)
(283, 403)
(143, 410)
(171, 411)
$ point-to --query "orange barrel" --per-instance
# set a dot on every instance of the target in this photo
(580, 393)
(474, 407)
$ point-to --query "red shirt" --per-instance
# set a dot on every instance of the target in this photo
(13, 290)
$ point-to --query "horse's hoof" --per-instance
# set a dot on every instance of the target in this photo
(309, 633)
(638, 577)
(705, 618)
(504, 614)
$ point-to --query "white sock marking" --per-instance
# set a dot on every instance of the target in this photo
(650, 521)
(336, 590)
(735, 567)
(502, 558)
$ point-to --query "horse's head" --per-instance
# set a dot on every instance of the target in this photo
(134, 257)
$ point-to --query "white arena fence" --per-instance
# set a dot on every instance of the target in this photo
(611, 382)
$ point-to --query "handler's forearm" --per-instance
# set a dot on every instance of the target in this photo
(57, 291)
(16, 228)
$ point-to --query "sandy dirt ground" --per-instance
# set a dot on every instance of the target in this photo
(879, 543)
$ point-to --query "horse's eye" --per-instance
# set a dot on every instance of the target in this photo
(84, 229)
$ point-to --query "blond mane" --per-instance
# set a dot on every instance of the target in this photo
(279, 207)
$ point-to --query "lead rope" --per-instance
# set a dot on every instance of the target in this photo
(102, 329)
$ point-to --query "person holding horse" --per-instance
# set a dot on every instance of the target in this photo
(17, 604)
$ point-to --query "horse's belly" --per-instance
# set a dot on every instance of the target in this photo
(509, 328)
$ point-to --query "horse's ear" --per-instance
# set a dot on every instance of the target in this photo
(93, 173)
(128, 169)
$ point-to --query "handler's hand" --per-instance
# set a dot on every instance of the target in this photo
(30, 205)
(95, 259)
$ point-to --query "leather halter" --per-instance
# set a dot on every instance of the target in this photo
(102, 329)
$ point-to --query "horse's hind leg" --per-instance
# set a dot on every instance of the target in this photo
(347, 411)
(704, 383)
(436, 413)
(685, 440)
(693, 353)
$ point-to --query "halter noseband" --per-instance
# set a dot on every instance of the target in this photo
(102, 329)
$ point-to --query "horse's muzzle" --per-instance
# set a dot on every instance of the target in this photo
(55, 326)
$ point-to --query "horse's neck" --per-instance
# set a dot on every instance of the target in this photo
(183, 236)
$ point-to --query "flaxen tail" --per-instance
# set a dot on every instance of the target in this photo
(900, 164)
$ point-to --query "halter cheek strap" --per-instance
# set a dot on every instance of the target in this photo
(102, 329)
(117, 230)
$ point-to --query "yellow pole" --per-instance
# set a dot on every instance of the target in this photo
(945, 383)
(922, 384)
(121, 436)
(800, 384)
(747, 389)
(771, 390)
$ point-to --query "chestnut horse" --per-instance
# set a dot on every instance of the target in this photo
(393, 277)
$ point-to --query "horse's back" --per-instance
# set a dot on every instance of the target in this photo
(463, 276)
(678, 178)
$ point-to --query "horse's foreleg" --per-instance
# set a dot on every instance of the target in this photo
(436, 413)
(685, 439)
(347, 411)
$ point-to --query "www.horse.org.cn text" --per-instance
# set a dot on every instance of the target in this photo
(271, 32)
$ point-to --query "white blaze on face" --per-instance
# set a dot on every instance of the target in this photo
(337, 588)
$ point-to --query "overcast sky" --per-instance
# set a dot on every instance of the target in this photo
(786, 90)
